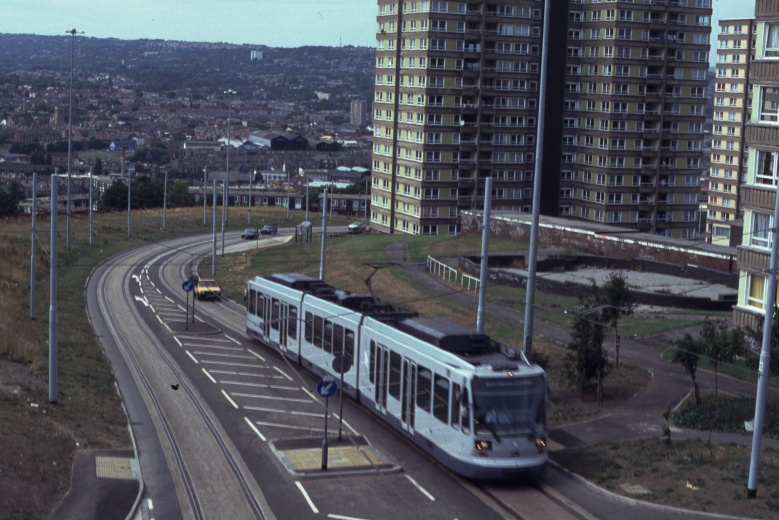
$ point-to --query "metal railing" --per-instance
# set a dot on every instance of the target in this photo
(452, 275)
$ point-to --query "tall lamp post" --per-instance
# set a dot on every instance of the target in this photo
(229, 93)
(73, 32)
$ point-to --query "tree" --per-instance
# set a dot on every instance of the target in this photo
(720, 343)
(9, 203)
(617, 301)
(688, 352)
(587, 361)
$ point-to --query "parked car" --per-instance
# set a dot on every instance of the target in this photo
(207, 289)
(356, 227)
(269, 229)
(250, 233)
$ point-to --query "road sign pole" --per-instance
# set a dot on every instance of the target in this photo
(186, 310)
(324, 441)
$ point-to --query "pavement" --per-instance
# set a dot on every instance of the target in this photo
(108, 484)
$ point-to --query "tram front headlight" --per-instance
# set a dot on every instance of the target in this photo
(540, 444)
(483, 445)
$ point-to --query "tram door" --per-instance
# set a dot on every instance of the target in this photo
(264, 309)
(407, 395)
(382, 368)
(283, 329)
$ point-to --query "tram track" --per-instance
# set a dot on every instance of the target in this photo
(115, 282)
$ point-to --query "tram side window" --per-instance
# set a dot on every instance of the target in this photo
(275, 314)
(394, 375)
(327, 340)
(261, 306)
(441, 399)
(309, 333)
(454, 412)
(338, 339)
(319, 326)
(292, 323)
(349, 345)
(372, 361)
(251, 301)
(424, 388)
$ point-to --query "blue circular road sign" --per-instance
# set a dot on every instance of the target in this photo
(327, 387)
(188, 286)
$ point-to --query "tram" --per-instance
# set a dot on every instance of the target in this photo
(476, 406)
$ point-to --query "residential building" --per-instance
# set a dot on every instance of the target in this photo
(456, 101)
(358, 113)
(759, 186)
(636, 80)
(732, 101)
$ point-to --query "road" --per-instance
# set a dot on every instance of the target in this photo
(206, 449)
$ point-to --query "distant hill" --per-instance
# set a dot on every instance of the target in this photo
(194, 68)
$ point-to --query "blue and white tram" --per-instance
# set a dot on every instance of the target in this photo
(476, 406)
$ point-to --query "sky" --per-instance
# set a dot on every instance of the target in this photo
(276, 23)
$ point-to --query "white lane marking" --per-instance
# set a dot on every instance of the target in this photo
(309, 393)
(308, 499)
(233, 340)
(177, 341)
(280, 371)
(209, 376)
(152, 307)
(229, 399)
(346, 423)
(255, 396)
(290, 426)
(247, 374)
(193, 357)
(286, 412)
(225, 363)
(341, 517)
(160, 319)
(253, 427)
(137, 278)
(182, 308)
(170, 300)
(257, 355)
(158, 291)
(142, 300)
(151, 282)
(217, 347)
(215, 354)
(259, 385)
(421, 489)
(211, 340)
(141, 289)
(149, 504)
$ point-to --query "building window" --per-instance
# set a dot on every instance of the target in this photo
(766, 168)
(755, 296)
(772, 40)
(769, 104)
(761, 230)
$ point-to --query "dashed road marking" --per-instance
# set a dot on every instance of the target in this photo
(253, 427)
(421, 489)
(229, 399)
(193, 357)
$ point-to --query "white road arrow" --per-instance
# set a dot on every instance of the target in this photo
(142, 300)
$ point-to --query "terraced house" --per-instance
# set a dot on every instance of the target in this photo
(456, 100)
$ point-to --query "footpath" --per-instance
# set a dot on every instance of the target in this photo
(641, 416)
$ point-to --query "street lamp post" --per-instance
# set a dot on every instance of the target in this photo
(73, 32)
(229, 93)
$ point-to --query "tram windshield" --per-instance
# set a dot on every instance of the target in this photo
(509, 406)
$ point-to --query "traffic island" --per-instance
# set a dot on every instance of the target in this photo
(353, 455)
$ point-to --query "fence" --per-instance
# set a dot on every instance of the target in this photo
(452, 275)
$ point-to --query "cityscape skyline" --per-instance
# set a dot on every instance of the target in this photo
(304, 22)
